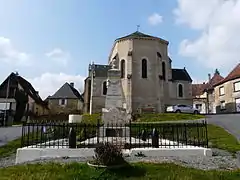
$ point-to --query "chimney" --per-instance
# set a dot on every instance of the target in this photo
(209, 77)
(217, 72)
(72, 84)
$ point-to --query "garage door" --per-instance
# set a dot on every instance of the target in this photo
(238, 104)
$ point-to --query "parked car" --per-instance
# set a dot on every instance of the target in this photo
(181, 108)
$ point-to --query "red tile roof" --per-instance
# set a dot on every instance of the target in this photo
(198, 89)
(214, 80)
(234, 74)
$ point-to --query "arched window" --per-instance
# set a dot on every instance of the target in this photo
(144, 68)
(180, 90)
(104, 88)
(164, 70)
(159, 55)
(123, 68)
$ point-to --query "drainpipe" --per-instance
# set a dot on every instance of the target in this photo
(207, 102)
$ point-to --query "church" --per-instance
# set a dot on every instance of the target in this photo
(149, 83)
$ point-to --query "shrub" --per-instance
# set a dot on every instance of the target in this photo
(108, 154)
(91, 118)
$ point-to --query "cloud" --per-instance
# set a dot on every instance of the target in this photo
(218, 22)
(59, 56)
(155, 19)
(10, 55)
(48, 83)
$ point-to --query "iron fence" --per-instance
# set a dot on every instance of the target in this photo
(132, 135)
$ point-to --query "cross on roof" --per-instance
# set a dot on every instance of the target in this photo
(138, 26)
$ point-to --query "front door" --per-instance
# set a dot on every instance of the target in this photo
(238, 104)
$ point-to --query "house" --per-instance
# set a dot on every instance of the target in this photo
(204, 94)
(227, 92)
(66, 100)
(147, 78)
(15, 86)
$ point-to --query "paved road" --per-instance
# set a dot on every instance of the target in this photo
(230, 122)
(9, 133)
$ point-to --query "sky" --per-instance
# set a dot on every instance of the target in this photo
(50, 42)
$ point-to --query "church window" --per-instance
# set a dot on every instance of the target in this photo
(123, 68)
(159, 55)
(180, 90)
(164, 70)
(104, 88)
(144, 68)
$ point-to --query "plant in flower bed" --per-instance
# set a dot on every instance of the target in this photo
(108, 154)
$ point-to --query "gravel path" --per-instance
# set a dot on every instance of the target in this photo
(221, 160)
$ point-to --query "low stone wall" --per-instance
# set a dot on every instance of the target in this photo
(30, 154)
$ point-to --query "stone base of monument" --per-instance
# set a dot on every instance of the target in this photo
(111, 131)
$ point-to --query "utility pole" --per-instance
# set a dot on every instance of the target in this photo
(92, 70)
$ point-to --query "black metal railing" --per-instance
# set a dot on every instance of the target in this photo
(131, 135)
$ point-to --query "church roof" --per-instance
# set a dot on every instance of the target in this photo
(138, 34)
(180, 75)
(100, 70)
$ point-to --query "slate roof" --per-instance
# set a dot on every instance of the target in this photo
(67, 91)
(234, 74)
(180, 75)
(27, 87)
(136, 34)
(101, 70)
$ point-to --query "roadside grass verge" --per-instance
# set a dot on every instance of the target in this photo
(168, 117)
(221, 139)
(165, 171)
(10, 148)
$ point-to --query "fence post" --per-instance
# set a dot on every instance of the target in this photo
(205, 123)
(72, 138)
(23, 134)
(155, 138)
(98, 129)
(144, 135)
(130, 132)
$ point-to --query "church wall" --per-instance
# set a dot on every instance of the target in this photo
(146, 92)
(187, 93)
(98, 97)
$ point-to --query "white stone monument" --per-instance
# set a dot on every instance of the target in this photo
(114, 115)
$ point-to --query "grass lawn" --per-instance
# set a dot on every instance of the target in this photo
(221, 139)
(168, 117)
(135, 171)
(10, 148)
